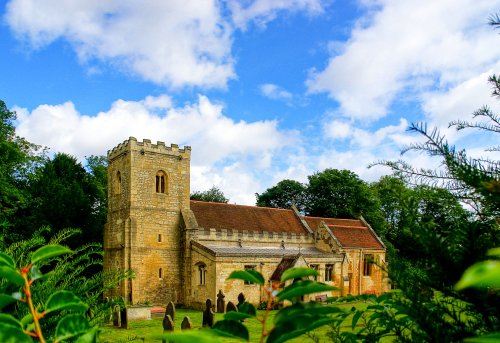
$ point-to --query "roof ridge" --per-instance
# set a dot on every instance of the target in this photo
(240, 205)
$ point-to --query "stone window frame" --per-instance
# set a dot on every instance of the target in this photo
(368, 260)
(329, 271)
(118, 182)
(316, 268)
(161, 182)
(249, 267)
(202, 273)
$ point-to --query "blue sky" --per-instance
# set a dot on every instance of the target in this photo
(261, 90)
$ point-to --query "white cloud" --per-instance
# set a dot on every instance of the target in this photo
(408, 46)
(275, 92)
(263, 11)
(175, 42)
(458, 103)
(216, 140)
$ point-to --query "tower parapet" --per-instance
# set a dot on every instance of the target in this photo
(146, 147)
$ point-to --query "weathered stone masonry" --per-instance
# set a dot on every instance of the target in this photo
(183, 251)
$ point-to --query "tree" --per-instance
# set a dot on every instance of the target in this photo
(214, 194)
(285, 194)
(64, 195)
(18, 158)
(445, 239)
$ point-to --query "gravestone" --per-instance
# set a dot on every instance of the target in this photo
(186, 323)
(116, 316)
(170, 310)
(123, 318)
(231, 307)
(221, 304)
(168, 325)
(241, 299)
(208, 314)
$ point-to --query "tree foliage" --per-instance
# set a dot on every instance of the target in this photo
(285, 194)
(18, 157)
(65, 195)
(214, 194)
(438, 240)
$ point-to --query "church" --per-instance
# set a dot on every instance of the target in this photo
(183, 251)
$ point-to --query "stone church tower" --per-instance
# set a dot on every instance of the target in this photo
(148, 188)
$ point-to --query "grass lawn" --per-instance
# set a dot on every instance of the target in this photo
(148, 330)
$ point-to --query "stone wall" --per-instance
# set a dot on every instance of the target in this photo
(143, 225)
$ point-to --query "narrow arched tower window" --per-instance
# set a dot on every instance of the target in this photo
(118, 183)
(161, 182)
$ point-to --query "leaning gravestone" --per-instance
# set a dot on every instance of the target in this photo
(168, 325)
(231, 307)
(221, 304)
(186, 323)
(170, 310)
(208, 314)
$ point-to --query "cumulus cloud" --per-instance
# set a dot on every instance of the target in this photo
(217, 141)
(406, 47)
(175, 42)
(261, 12)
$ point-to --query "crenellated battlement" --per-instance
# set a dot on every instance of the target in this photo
(146, 147)
(253, 236)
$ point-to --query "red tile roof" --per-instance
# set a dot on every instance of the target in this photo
(351, 233)
(212, 215)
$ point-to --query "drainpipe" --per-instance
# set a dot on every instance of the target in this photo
(360, 272)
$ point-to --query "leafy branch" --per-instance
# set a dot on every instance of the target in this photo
(72, 324)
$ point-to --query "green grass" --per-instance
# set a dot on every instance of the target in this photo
(149, 330)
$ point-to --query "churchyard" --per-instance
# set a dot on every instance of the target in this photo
(151, 330)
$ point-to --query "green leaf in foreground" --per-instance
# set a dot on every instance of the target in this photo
(12, 275)
(252, 276)
(481, 275)
(299, 272)
(6, 260)
(6, 300)
(233, 315)
(297, 327)
(7, 319)
(64, 300)
(494, 252)
(247, 308)
(300, 288)
(231, 328)
(12, 334)
(198, 336)
(49, 251)
(71, 326)
(489, 338)
(301, 310)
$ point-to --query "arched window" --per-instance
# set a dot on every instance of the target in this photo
(118, 183)
(161, 182)
(202, 273)
(160, 273)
